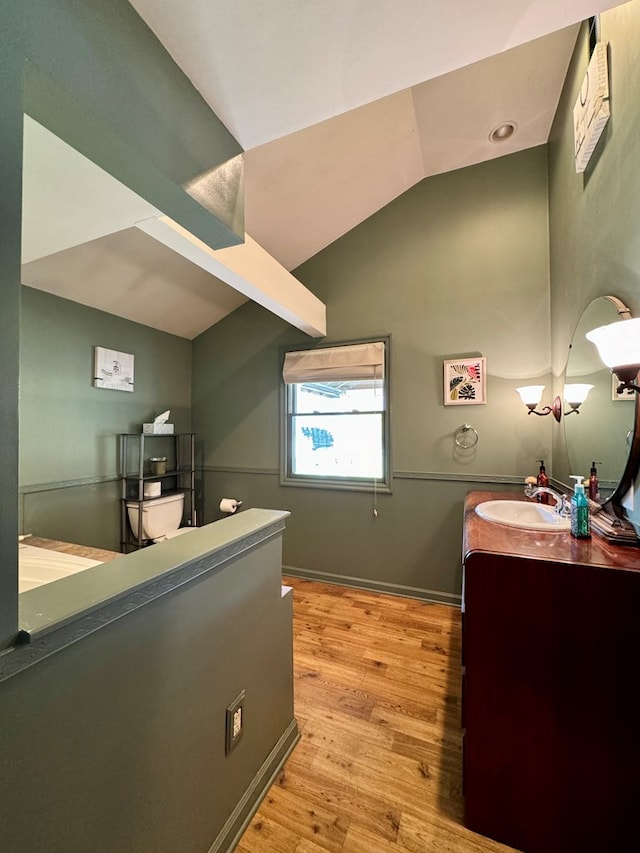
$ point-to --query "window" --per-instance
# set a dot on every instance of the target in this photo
(336, 424)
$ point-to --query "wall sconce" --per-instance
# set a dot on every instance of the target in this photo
(574, 397)
(619, 348)
(531, 396)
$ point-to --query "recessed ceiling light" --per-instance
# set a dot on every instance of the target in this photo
(503, 131)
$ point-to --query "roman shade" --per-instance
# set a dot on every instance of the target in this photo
(335, 364)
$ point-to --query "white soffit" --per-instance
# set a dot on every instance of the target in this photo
(270, 69)
(249, 269)
(132, 276)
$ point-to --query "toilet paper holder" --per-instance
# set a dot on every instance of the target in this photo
(229, 505)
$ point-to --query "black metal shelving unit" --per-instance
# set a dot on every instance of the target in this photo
(135, 452)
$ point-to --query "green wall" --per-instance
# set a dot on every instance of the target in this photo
(594, 217)
(69, 428)
(456, 266)
(113, 727)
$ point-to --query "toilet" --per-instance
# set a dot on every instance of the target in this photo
(161, 517)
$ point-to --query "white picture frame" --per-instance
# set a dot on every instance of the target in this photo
(112, 370)
(465, 381)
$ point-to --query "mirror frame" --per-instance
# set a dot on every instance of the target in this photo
(613, 507)
(630, 473)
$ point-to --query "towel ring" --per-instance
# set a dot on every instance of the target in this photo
(466, 436)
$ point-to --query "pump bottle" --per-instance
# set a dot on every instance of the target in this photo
(542, 480)
(580, 519)
(594, 490)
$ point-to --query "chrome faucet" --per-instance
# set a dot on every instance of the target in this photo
(562, 502)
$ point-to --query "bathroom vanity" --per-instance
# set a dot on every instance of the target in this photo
(551, 639)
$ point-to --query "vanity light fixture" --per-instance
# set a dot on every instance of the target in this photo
(531, 396)
(574, 397)
(619, 348)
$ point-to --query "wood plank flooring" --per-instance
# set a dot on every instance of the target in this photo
(377, 699)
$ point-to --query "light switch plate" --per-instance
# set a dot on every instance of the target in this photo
(234, 724)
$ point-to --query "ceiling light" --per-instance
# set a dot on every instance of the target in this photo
(503, 131)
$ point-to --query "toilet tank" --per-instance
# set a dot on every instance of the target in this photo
(159, 515)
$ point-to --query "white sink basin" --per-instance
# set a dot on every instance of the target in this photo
(529, 516)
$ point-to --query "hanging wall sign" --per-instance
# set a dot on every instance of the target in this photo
(591, 109)
(112, 369)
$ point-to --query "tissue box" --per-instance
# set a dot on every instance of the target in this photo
(157, 429)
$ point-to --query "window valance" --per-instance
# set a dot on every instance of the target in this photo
(335, 364)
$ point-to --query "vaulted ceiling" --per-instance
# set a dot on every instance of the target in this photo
(341, 106)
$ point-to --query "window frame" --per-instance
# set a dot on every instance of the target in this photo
(352, 484)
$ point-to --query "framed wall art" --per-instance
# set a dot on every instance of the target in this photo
(465, 381)
(625, 394)
(112, 369)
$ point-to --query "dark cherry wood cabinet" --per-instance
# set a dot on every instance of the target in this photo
(550, 710)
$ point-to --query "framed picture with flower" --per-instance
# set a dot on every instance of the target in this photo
(465, 381)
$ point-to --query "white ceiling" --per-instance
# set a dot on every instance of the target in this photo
(307, 189)
(341, 105)
(270, 69)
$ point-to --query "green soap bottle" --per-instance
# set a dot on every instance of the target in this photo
(580, 520)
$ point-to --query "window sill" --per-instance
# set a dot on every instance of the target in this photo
(345, 485)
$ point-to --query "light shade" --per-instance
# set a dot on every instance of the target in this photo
(618, 343)
(531, 394)
(577, 393)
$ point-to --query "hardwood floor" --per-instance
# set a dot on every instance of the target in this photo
(377, 698)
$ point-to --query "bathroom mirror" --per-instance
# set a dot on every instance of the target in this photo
(603, 429)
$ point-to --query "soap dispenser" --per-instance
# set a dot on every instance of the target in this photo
(594, 490)
(542, 480)
(580, 519)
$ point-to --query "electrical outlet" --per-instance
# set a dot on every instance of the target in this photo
(234, 723)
